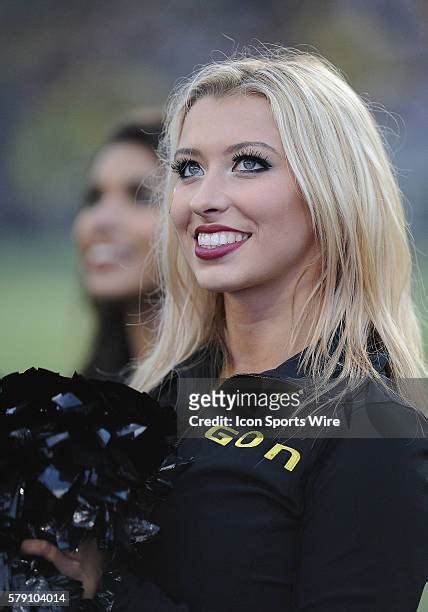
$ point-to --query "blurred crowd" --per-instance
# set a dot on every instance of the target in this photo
(69, 71)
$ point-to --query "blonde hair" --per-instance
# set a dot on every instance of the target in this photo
(336, 153)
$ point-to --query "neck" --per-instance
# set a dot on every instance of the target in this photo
(260, 325)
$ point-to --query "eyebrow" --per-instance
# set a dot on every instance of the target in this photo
(232, 149)
(255, 143)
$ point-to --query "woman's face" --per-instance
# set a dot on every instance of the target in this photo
(237, 210)
(114, 229)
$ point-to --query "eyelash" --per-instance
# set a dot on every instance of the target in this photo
(179, 165)
(254, 156)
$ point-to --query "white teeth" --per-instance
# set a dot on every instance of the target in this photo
(211, 241)
(104, 253)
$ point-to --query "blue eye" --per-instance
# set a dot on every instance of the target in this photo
(186, 168)
(250, 162)
(192, 169)
(245, 162)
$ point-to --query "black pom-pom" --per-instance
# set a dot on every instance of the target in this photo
(79, 459)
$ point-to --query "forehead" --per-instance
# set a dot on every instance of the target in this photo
(228, 120)
(123, 158)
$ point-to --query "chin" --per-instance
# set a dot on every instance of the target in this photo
(220, 285)
(109, 292)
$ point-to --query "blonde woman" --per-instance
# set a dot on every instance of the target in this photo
(284, 254)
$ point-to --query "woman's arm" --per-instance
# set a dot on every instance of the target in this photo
(365, 532)
(133, 594)
(85, 565)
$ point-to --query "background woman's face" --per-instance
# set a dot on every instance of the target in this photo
(232, 172)
(115, 228)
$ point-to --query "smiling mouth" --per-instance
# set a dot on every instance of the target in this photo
(214, 245)
(214, 240)
(107, 254)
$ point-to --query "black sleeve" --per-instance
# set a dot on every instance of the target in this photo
(365, 533)
(136, 595)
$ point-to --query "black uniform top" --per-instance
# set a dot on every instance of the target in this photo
(345, 530)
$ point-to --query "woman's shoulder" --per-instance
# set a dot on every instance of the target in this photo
(201, 364)
(380, 410)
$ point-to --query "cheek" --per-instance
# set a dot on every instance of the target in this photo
(179, 211)
(290, 214)
(284, 223)
(81, 229)
(302, 225)
(142, 225)
(298, 238)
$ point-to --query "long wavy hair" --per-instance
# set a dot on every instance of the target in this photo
(337, 155)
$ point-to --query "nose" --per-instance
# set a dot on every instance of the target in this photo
(107, 214)
(210, 196)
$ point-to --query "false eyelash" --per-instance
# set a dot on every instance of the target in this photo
(246, 153)
(178, 165)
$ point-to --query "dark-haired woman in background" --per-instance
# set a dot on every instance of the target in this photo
(113, 232)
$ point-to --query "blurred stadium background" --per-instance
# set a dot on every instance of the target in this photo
(69, 69)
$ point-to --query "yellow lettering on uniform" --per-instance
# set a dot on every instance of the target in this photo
(222, 437)
(258, 437)
(293, 460)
